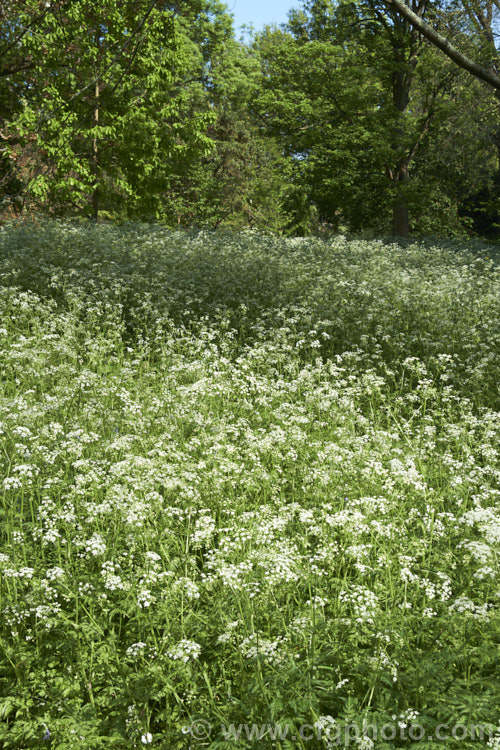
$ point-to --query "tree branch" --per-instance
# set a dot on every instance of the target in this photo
(15, 67)
(445, 46)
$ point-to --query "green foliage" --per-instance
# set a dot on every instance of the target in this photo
(329, 96)
(246, 480)
(238, 183)
(152, 111)
(324, 94)
(116, 100)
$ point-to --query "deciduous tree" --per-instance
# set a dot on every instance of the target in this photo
(114, 96)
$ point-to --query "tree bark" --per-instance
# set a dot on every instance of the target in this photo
(95, 157)
(401, 85)
(400, 214)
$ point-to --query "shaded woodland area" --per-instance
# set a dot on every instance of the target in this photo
(348, 117)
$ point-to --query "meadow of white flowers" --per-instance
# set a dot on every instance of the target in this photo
(245, 479)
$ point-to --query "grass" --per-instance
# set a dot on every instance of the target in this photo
(247, 481)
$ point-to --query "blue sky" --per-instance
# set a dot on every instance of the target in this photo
(260, 12)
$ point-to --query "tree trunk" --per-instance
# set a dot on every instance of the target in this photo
(406, 47)
(400, 215)
(401, 174)
(95, 157)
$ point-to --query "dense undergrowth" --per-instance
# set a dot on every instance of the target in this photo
(247, 480)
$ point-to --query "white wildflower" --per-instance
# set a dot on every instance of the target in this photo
(184, 651)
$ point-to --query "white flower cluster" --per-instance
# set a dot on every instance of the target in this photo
(203, 531)
(486, 572)
(185, 651)
(135, 649)
(494, 742)
(317, 601)
(12, 483)
(487, 520)
(364, 603)
(466, 606)
(52, 574)
(112, 580)
(144, 599)
(227, 635)
(271, 651)
(479, 551)
(21, 573)
(406, 718)
(364, 743)
(95, 546)
(324, 724)
(189, 588)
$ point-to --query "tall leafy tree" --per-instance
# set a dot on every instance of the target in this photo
(352, 85)
(405, 47)
(238, 182)
(114, 98)
(324, 109)
(17, 19)
(363, 105)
